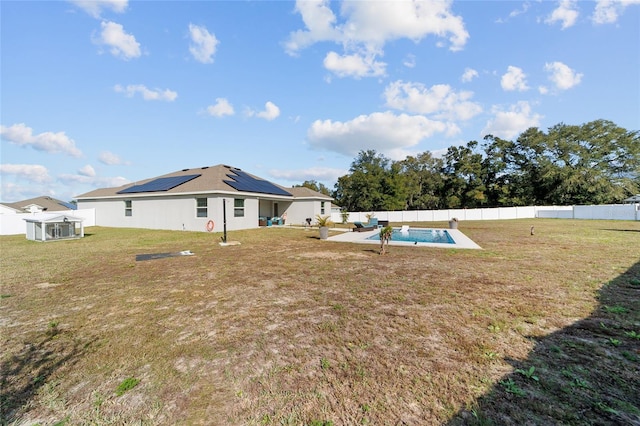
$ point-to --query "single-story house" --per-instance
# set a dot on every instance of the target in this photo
(40, 204)
(201, 199)
(53, 226)
(632, 200)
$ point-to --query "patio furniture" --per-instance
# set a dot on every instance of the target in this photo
(360, 227)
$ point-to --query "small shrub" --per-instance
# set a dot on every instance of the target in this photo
(127, 384)
(632, 334)
(511, 387)
(529, 374)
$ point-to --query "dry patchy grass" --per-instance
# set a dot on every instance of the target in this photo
(288, 329)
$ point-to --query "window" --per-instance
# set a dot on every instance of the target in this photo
(128, 211)
(238, 207)
(321, 207)
(201, 207)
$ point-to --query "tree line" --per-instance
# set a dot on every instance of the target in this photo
(593, 163)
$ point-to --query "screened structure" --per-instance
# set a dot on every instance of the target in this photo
(53, 227)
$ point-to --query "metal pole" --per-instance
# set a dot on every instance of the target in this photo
(224, 219)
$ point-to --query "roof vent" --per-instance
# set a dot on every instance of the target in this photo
(185, 170)
(205, 167)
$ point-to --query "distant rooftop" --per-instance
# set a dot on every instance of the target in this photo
(43, 203)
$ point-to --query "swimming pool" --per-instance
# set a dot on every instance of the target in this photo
(415, 237)
(438, 236)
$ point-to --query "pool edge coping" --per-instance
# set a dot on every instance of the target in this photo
(461, 240)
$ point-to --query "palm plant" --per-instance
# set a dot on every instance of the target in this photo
(323, 221)
(385, 236)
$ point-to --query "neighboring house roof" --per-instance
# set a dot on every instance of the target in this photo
(304, 192)
(213, 179)
(633, 199)
(51, 218)
(43, 203)
(5, 208)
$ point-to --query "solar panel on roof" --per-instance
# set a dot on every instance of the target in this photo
(70, 206)
(160, 184)
(241, 181)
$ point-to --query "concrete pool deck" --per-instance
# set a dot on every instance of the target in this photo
(461, 240)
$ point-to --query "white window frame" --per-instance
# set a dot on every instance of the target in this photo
(202, 210)
(238, 207)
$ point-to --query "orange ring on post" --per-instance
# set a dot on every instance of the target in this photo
(210, 226)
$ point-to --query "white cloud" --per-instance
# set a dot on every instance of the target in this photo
(95, 7)
(509, 124)
(320, 174)
(440, 100)
(562, 76)
(147, 94)
(566, 12)
(514, 79)
(31, 172)
(110, 159)
(221, 108)
(468, 75)
(355, 65)
(49, 142)
(516, 12)
(94, 181)
(367, 26)
(319, 21)
(122, 45)
(87, 170)
(410, 61)
(271, 112)
(387, 133)
(203, 44)
(608, 11)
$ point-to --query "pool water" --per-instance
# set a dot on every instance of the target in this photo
(439, 236)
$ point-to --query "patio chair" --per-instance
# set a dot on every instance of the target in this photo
(360, 227)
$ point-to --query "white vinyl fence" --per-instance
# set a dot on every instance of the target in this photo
(14, 223)
(611, 212)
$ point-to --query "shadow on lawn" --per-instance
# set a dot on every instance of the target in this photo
(622, 230)
(22, 375)
(587, 373)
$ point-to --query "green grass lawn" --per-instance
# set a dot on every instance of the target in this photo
(288, 329)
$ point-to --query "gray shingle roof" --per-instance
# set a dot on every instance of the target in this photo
(211, 180)
(47, 203)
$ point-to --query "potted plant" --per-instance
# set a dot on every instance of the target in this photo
(385, 236)
(323, 223)
(453, 223)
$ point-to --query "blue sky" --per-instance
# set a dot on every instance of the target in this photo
(101, 93)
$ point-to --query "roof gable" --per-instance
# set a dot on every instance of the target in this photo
(51, 218)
